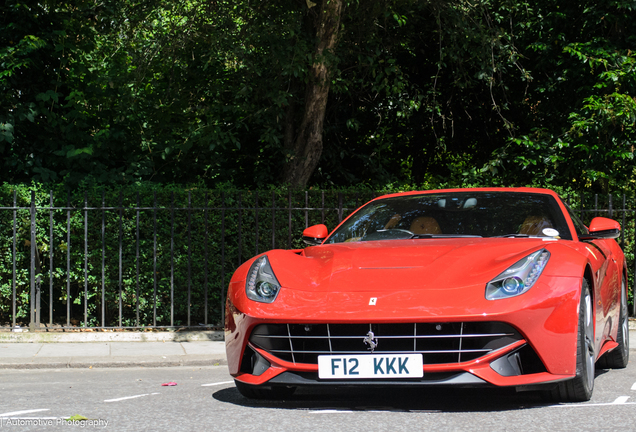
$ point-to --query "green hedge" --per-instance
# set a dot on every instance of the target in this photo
(236, 231)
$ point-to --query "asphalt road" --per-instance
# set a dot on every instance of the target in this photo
(205, 398)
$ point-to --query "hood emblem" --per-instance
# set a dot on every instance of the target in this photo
(371, 341)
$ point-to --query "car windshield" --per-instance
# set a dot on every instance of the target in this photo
(456, 214)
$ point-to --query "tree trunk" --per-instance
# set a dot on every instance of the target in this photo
(304, 152)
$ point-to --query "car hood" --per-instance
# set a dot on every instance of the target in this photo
(431, 264)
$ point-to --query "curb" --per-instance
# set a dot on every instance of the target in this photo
(52, 337)
(78, 337)
(114, 364)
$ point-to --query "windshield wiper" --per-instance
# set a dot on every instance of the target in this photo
(426, 236)
(517, 236)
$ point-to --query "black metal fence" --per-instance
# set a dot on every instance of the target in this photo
(153, 261)
(163, 259)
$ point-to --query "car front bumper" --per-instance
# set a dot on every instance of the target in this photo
(545, 319)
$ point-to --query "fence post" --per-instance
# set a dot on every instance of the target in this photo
(15, 211)
(103, 258)
(623, 224)
(634, 280)
(256, 222)
(121, 253)
(172, 260)
(51, 254)
(595, 205)
(189, 254)
(154, 258)
(273, 220)
(289, 220)
(68, 258)
(33, 295)
(223, 259)
(322, 212)
(240, 228)
(85, 259)
(306, 207)
(205, 261)
(137, 262)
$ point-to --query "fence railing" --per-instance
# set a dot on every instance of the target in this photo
(147, 261)
(128, 260)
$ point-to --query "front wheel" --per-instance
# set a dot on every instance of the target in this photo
(580, 388)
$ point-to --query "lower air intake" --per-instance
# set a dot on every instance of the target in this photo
(439, 343)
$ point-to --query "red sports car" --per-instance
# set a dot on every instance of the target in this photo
(463, 287)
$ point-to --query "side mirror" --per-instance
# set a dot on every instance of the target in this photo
(602, 228)
(315, 234)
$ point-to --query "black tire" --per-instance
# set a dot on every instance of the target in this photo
(619, 356)
(580, 388)
(260, 392)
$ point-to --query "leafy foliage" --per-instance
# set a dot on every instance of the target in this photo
(500, 92)
(162, 256)
(580, 110)
(114, 253)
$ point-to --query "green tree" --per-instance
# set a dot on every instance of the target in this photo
(575, 118)
(439, 92)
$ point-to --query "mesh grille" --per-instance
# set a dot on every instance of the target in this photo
(438, 342)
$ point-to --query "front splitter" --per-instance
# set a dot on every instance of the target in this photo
(461, 379)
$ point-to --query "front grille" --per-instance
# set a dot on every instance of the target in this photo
(437, 342)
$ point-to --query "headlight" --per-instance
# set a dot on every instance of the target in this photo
(519, 278)
(261, 285)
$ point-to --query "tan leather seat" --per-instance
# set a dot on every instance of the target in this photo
(393, 221)
(534, 225)
(425, 225)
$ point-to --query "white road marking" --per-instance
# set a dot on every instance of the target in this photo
(634, 386)
(32, 418)
(129, 397)
(218, 383)
(620, 401)
(331, 411)
(362, 409)
(15, 413)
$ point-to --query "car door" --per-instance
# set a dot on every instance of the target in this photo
(606, 281)
(607, 287)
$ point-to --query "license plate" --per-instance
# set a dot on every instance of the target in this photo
(370, 366)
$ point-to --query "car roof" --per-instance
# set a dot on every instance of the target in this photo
(490, 189)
